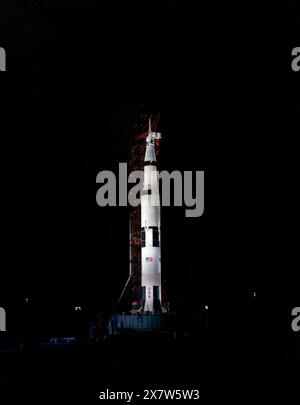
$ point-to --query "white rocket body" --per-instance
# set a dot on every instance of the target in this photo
(150, 230)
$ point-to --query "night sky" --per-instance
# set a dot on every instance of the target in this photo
(80, 74)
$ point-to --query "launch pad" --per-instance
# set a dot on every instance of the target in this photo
(137, 322)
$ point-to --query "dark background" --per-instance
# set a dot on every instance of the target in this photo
(79, 74)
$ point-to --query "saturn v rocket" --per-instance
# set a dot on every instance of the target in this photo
(150, 230)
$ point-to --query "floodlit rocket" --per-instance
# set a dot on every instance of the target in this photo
(150, 230)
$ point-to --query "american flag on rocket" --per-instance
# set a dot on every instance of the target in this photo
(149, 259)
